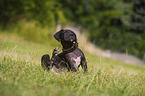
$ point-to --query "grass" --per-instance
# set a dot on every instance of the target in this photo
(22, 75)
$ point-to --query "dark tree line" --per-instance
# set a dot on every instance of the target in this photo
(117, 25)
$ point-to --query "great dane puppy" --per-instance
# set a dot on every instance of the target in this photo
(70, 59)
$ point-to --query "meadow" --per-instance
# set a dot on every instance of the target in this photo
(22, 75)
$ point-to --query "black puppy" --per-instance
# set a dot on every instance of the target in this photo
(71, 58)
(71, 54)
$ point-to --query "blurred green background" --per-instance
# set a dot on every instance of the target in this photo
(117, 25)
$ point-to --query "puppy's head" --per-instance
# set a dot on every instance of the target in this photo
(65, 36)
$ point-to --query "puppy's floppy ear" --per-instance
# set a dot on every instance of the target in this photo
(57, 35)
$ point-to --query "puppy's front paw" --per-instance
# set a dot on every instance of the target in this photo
(56, 51)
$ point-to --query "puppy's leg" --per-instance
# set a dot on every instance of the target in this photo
(45, 62)
(84, 64)
(54, 54)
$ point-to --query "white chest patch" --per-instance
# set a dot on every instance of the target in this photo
(78, 60)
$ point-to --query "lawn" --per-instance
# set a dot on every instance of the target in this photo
(22, 75)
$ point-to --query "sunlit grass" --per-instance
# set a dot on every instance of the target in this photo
(22, 75)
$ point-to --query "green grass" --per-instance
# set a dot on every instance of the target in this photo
(22, 75)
